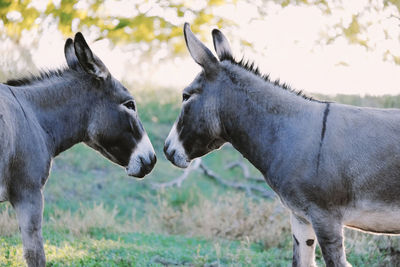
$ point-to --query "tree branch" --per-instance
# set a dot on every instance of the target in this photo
(245, 169)
(251, 189)
(178, 181)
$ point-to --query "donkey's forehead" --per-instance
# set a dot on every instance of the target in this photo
(120, 91)
(196, 84)
(202, 82)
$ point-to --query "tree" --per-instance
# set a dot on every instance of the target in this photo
(155, 21)
(150, 25)
(152, 22)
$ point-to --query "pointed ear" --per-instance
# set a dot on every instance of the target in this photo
(69, 51)
(88, 60)
(221, 45)
(199, 52)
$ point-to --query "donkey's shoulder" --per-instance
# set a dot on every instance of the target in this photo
(7, 100)
(10, 109)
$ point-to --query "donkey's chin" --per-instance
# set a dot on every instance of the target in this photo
(136, 173)
(215, 144)
(180, 161)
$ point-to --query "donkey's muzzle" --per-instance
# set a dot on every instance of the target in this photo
(142, 159)
(176, 156)
(145, 167)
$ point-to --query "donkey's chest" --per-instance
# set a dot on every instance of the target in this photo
(373, 217)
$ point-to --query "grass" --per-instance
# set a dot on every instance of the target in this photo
(139, 249)
(96, 216)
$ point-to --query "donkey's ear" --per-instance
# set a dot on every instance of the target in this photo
(69, 51)
(199, 52)
(88, 60)
(221, 45)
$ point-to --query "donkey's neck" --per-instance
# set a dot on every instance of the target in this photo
(61, 106)
(265, 122)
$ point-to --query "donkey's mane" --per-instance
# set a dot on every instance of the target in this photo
(251, 66)
(42, 76)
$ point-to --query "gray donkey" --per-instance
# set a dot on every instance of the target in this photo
(43, 116)
(332, 165)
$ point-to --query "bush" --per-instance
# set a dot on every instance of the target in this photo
(231, 216)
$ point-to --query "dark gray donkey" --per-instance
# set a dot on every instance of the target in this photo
(332, 165)
(43, 116)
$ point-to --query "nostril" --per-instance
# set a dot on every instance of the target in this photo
(153, 159)
(170, 156)
(148, 164)
(142, 162)
(172, 153)
(166, 146)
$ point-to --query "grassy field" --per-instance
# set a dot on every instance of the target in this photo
(95, 215)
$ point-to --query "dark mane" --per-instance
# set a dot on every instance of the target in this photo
(43, 75)
(250, 66)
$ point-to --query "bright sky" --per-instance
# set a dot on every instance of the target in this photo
(284, 46)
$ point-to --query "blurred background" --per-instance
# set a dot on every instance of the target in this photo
(218, 212)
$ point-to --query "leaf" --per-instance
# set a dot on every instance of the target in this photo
(122, 24)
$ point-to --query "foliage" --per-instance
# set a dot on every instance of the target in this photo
(140, 21)
(156, 22)
(371, 24)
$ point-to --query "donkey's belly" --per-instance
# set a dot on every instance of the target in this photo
(373, 217)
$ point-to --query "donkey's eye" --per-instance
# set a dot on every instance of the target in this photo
(185, 97)
(130, 104)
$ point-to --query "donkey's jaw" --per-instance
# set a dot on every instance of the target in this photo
(142, 159)
(174, 150)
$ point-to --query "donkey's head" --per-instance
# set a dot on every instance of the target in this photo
(114, 128)
(198, 129)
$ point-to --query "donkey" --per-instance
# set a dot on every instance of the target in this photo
(332, 165)
(42, 116)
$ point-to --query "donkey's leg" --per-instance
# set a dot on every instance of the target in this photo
(329, 233)
(29, 209)
(304, 241)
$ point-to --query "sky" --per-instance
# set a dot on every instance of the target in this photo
(284, 45)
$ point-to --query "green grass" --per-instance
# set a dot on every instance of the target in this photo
(138, 249)
(81, 180)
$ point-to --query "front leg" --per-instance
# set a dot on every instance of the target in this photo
(304, 241)
(329, 233)
(29, 208)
